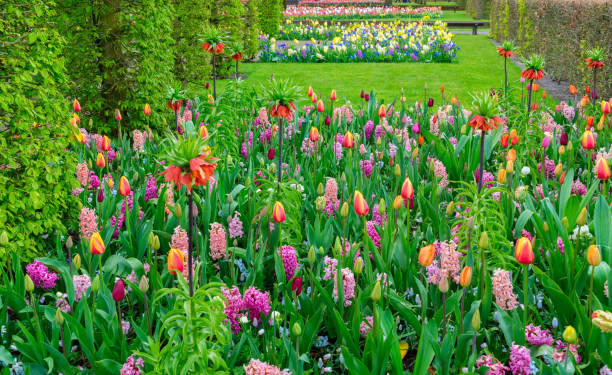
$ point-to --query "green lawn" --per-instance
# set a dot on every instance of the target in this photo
(478, 67)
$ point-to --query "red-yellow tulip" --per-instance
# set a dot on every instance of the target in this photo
(602, 168)
(588, 140)
(147, 109)
(407, 189)
(96, 245)
(106, 143)
(124, 186)
(76, 106)
(590, 120)
(100, 162)
(426, 255)
(118, 115)
(465, 278)
(310, 91)
(382, 111)
(348, 140)
(314, 134)
(593, 255)
(320, 106)
(176, 260)
(605, 107)
(313, 98)
(333, 95)
(278, 212)
(361, 206)
(203, 131)
(504, 140)
(523, 251)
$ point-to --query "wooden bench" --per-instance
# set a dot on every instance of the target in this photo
(467, 24)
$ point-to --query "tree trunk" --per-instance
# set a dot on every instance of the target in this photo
(111, 69)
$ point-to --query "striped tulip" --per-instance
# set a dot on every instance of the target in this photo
(176, 260)
(147, 109)
(313, 98)
(348, 140)
(588, 140)
(106, 143)
(382, 111)
(278, 212)
(602, 168)
(605, 107)
(523, 251)
(124, 186)
(203, 132)
(465, 278)
(426, 255)
(407, 189)
(100, 162)
(333, 95)
(118, 115)
(590, 120)
(320, 106)
(96, 245)
(76, 106)
(361, 206)
(314, 134)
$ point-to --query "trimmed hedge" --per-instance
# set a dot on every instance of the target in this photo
(562, 31)
(478, 9)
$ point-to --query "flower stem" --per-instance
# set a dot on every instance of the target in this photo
(461, 316)
(482, 142)
(591, 293)
(525, 277)
(529, 99)
(190, 248)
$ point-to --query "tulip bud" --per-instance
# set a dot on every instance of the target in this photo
(151, 238)
(465, 278)
(59, 318)
(476, 320)
(593, 255)
(95, 284)
(483, 242)
(545, 226)
(415, 153)
(337, 246)
(570, 146)
(77, 261)
(100, 196)
(69, 242)
(29, 284)
(4, 238)
(320, 189)
(558, 169)
(296, 329)
(358, 266)
(569, 335)
(450, 208)
(156, 243)
(311, 255)
(501, 176)
(382, 206)
(463, 129)
(344, 210)
(398, 202)
(321, 250)
(443, 285)
(143, 285)
(178, 211)
(320, 203)
(565, 223)
(397, 171)
(562, 150)
(376, 292)
(582, 217)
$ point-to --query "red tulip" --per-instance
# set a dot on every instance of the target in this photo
(124, 186)
(296, 285)
(367, 97)
(333, 95)
(348, 140)
(407, 189)
(119, 291)
(588, 140)
(314, 134)
(147, 109)
(100, 162)
(278, 212)
(382, 111)
(118, 115)
(523, 251)
(271, 153)
(361, 206)
(602, 168)
(176, 260)
(76, 106)
(96, 245)
(106, 144)
(504, 140)
(327, 120)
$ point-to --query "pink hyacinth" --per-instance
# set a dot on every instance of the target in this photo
(348, 284)
(62, 303)
(179, 240)
(330, 268)
(151, 189)
(331, 191)
(290, 262)
(440, 172)
(81, 284)
(535, 335)
(578, 188)
(217, 241)
(41, 275)
(138, 140)
(373, 233)
(495, 366)
(368, 128)
(549, 168)
(256, 302)
(88, 224)
(82, 173)
(366, 326)
(520, 360)
(502, 289)
(449, 261)
(235, 226)
(257, 367)
(233, 308)
(132, 366)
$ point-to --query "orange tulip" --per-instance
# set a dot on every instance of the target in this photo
(523, 251)
(588, 140)
(314, 134)
(203, 132)
(100, 162)
(124, 186)
(106, 144)
(361, 206)
(176, 260)
(398, 202)
(320, 106)
(421, 140)
(147, 109)
(407, 189)
(465, 278)
(333, 95)
(513, 133)
(348, 140)
(454, 100)
(382, 111)
(96, 245)
(602, 168)
(573, 90)
(543, 94)
(76, 106)
(589, 124)
(504, 140)
(593, 256)
(278, 212)
(511, 155)
(584, 101)
(426, 255)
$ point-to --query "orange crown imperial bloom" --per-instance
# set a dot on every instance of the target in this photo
(96, 245)
(594, 64)
(100, 162)
(523, 251)
(361, 206)
(282, 111)
(466, 276)
(147, 109)
(217, 49)
(237, 56)
(320, 106)
(106, 144)
(532, 75)
(278, 212)
(502, 52)
(314, 134)
(588, 140)
(333, 95)
(203, 132)
(176, 260)
(426, 255)
(407, 189)
(76, 106)
(201, 170)
(602, 168)
(382, 111)
(124, 186)
(348, 140)
(573, 90)
(482, 123)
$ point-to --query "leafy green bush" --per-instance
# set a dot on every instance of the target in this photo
(226, 16)
(478, 9)
(251, 29)
(269, 16)
(561, 31)
(191, 63)
(37, 173)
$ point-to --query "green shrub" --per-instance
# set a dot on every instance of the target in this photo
(226, 16)
(561, 31)
(269, 16)
(191, 62)
(251, 30)
(478, 9)
(37, 174)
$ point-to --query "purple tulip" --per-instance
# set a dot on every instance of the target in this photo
(119, 291)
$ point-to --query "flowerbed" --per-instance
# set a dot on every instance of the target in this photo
(362, 42)
(340, 2)
(356, 13)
